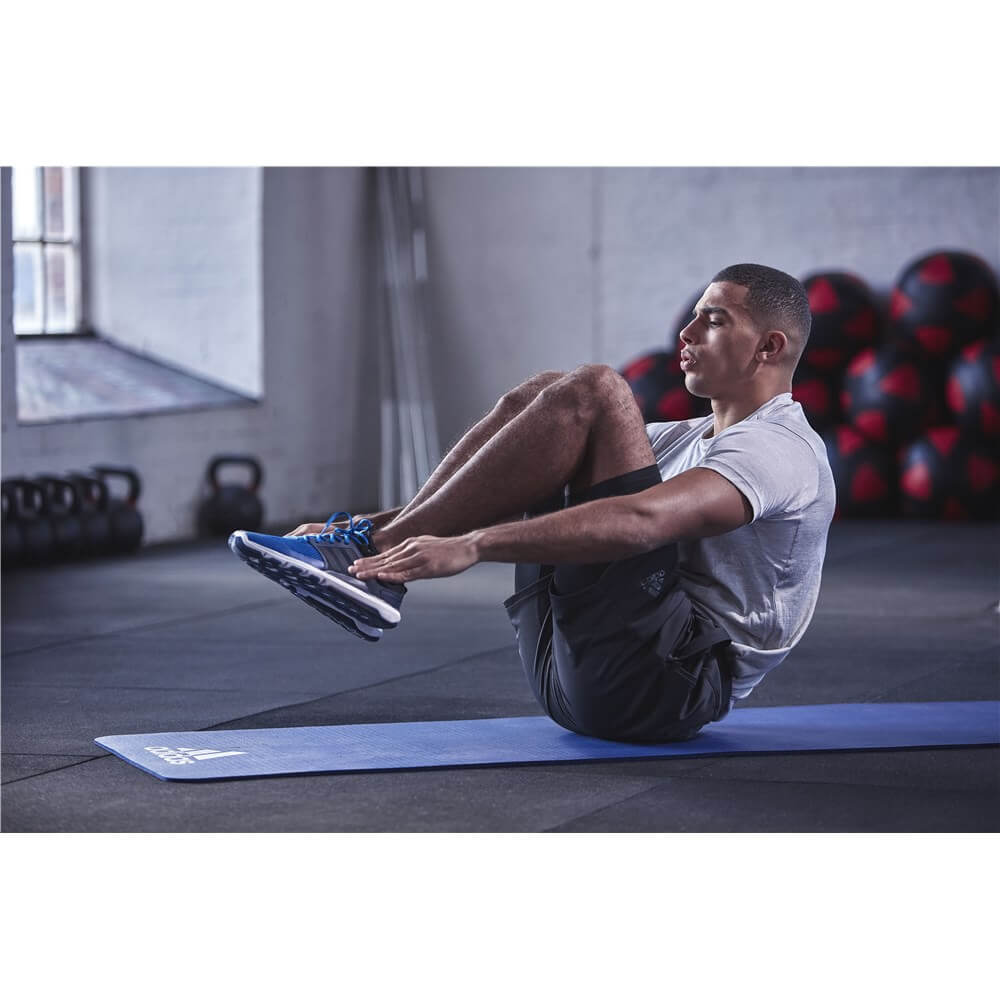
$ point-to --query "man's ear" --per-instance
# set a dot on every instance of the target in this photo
(774, 343)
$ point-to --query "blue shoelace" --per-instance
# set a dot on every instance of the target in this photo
(358, 534)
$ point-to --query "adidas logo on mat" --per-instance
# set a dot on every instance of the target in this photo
(188, 755)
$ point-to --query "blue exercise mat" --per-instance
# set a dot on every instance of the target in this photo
(247, 753)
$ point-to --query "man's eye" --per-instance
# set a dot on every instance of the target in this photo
(715, 322)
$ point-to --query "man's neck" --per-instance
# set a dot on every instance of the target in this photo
(731, 411)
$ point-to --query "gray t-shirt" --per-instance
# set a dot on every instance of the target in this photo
(760, 581)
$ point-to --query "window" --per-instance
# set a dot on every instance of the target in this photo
(46, 231)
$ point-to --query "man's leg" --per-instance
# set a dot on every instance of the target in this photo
(581, 429)
(509, 406)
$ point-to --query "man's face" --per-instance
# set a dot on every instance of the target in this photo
(717, 347)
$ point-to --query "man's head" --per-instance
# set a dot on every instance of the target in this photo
(748, 332)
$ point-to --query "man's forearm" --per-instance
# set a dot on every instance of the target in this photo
(600, 531)
(696, 504)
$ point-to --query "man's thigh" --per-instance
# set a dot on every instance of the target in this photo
(618, 443)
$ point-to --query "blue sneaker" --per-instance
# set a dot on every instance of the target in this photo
(353, 626)
(314, 569)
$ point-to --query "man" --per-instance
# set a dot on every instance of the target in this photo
(661, 570)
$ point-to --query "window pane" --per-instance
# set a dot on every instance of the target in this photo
(27, 203)
(27, 288)
(60, 202)
(60, 289)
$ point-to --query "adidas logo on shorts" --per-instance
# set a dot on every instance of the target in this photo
(190, 755)
(653, 584)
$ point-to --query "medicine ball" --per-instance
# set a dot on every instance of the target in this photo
(974, 389)
(944, 474)
(657, 382)
(818, 394)
(945, 300)
(888, 394)
(845, 319)
(865, 474)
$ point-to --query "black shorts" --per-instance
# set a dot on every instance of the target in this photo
(616, 650)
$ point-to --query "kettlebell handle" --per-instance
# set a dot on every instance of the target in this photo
(95, 491)
(247, 460)
(29, 497)
(121, 472)
(11, 499)
(69, 500)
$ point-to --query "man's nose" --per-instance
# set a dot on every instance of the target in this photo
(685, 334)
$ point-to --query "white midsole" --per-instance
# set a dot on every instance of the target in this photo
(387, 611)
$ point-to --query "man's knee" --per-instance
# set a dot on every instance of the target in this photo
(511, 403)
(592, 389)
(603, 381)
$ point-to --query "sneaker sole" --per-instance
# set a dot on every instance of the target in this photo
(300, 579)
(365, 632)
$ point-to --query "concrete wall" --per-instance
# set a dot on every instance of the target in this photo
(529, 269)
(8, 369)
(512, 281)
(173, 267)
(314, 429)
(533, 269)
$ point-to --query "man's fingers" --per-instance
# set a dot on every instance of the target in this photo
(367, 563)
(403, 549)
(388, 566)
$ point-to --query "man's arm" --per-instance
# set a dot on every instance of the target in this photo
(696, 504)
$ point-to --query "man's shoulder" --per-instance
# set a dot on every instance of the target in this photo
(665, 432)
(786, 421)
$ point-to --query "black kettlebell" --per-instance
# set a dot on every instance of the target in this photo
(13, 536)
(37, 537)
(94, 517)
(126, 521)
(232, 507)
(64, 513)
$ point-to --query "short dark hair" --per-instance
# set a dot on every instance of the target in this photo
(775, 300)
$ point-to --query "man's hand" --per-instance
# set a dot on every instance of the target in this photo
(420, 558)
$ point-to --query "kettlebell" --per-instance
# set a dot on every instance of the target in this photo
(13, 537)
(126, 521)
(37, 538)
(232, 507)
(95, 520)
(63, 508)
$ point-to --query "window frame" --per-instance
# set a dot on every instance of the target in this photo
(77, 244)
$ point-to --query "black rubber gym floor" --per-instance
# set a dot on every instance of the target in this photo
(186, 638)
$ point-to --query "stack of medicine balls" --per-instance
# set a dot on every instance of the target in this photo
(908, 403)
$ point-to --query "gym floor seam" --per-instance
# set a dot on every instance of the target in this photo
(355, 690)
(188, 619)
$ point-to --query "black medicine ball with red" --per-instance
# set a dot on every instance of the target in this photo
(889, 394)
(845, 319)
(944, 474)
(865, 474)
(818, 394)
(657, 382)
(974, 389)
(945, 300)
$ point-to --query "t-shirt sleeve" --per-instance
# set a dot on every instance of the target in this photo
(773, 468)
(663, 434)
